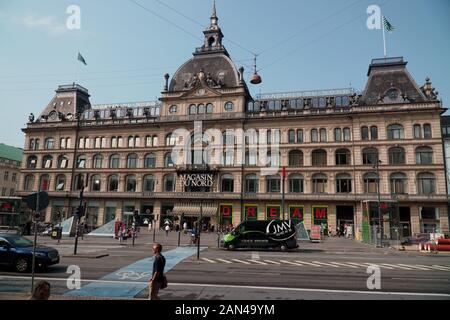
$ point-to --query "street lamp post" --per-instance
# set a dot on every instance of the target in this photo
(380, 219)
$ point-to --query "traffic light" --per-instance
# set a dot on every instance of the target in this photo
(80, 212)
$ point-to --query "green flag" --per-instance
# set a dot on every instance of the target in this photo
(81, 59)
(387, 25)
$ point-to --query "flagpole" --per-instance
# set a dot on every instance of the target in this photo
(384, 38)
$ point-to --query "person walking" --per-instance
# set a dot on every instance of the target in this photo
(167, 230)
(158, 272)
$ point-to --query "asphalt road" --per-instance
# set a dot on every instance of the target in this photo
(334, 269)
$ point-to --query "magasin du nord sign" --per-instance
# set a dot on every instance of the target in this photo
(197, 179)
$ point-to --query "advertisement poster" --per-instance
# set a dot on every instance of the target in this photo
(273, 212)
(320, 215)
(226, 214)
(251, 212)
(296, 213)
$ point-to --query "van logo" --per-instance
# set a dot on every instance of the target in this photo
(280, 230)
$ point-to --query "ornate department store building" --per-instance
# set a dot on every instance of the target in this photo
(334, 144)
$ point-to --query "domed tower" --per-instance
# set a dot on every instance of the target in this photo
(210, 77)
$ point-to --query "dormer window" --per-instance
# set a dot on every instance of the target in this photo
(392, 94)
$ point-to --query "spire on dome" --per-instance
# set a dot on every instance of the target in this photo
(214, 18)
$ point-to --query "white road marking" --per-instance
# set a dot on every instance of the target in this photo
(308, 263)
(326, 264)
(442, 267)
(292, 263)
(225, 261)
(208, 260)
(244, 287)
(414, 267)
(237, 260)
(378, 265)
(357, 264)
(395, 266)
(259, 262)
(255, 255)
(345, 265)
(273, 262)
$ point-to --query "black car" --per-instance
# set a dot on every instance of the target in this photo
(17, 252)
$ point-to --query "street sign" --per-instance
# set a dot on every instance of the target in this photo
(31, 201)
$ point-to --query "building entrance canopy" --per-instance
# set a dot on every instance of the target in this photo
(193, 209)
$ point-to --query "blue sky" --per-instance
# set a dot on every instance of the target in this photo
(305, 45)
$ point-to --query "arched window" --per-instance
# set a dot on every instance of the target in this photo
(347, 134)
(78, 182)
(343, 157)
(314, 136)
(296, 158)
(131, 142)
(251, 137)
(45, 182)
(98, 161)
(398, 183)
(319, 158)
(395, 132)
(323, 135)
(424, 155)
(343, 183)
(251, 183)
(251, 158)
(370, 156)
(130, 183)
(113, 183)
(273, 184)
(209, 108)
(114, 161)
(169, 183)
(168, 163)
(299, 136)
(291, 136)
(81, 162)
(296, 183)
(364, 133)
(229, 106)
(132, 161)
(426, 183)
(396, 156)
(150, 160)
(427, 134)
(228, 158)
(29, 183)
(201, 109)
(32, 162)
(319, 183)
(47, 162)
(337, 134)
(95, 183)
(60, 182)
(49, 143)
(36, 144)
(192, 109)
(171, 140)
(370, 183)
(227, 183)
(417, 131)
(63, 162)
(149, 183)
(273, 159)
(374, 133)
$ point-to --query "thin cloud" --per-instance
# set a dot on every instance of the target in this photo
(47, 23)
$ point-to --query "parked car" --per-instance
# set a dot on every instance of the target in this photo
(17, 252)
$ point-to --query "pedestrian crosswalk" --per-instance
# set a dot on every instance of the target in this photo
(327, 264)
